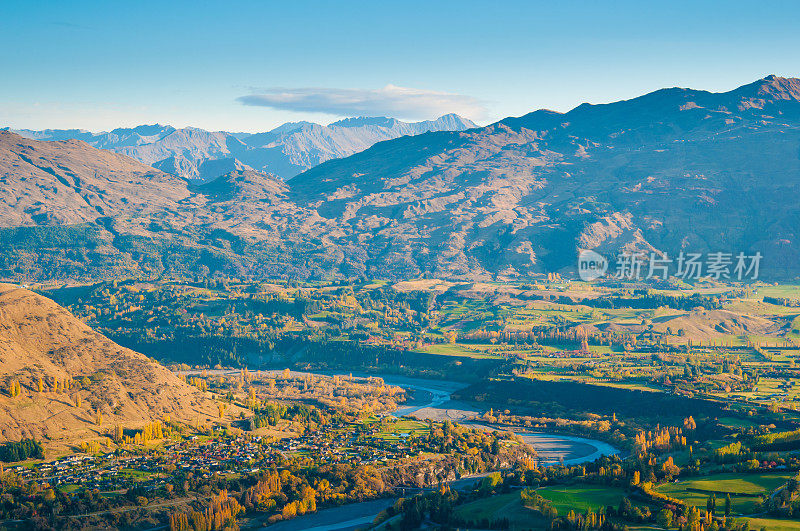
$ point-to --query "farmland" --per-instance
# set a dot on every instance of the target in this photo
(689, 382)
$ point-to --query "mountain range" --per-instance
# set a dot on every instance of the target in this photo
(284, 151)
(674, 170)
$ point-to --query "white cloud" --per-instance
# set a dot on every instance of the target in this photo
(397, 102)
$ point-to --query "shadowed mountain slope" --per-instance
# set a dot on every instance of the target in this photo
(675, 169)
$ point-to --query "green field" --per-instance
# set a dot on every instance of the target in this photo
(134, 474)
(401, 429)
(736, 423)
(487, 507)
(581, 497)
(576, 498)
(502, 506)
(772, 389)
(795, 328)
(446, 349)
(738, 483)
(752, 484)
(781, 290)
(774, 524)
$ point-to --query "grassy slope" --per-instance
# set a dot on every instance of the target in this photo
(720, 483)
(582, 497)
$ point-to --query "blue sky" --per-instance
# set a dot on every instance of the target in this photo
(249, 66)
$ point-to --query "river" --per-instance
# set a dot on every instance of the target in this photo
(430, 399)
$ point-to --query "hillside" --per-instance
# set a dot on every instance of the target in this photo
(71, 211)
(69, 182)
(40, 339)
(674, 170)
(285, 151)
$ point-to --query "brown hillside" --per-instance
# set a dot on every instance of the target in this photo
(40, 339)
(705, 325)
(68, 182)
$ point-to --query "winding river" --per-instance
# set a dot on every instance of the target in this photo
(430, 399)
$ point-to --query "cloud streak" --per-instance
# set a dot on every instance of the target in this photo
(391, 100)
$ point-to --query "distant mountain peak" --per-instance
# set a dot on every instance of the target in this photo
(288, 127)
(452, 120)
(456, 120)
(787, 88)
(361, 121)
(144, 129)
(285, 151)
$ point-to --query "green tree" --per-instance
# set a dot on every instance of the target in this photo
(664, 518)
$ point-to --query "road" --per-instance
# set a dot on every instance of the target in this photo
(346, 517)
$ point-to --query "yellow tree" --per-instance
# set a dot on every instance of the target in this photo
(252, 398)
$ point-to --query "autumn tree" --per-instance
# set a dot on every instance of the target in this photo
(14, 389)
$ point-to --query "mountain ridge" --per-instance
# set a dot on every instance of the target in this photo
(286, 150)
(674, 170)
(605, 172)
